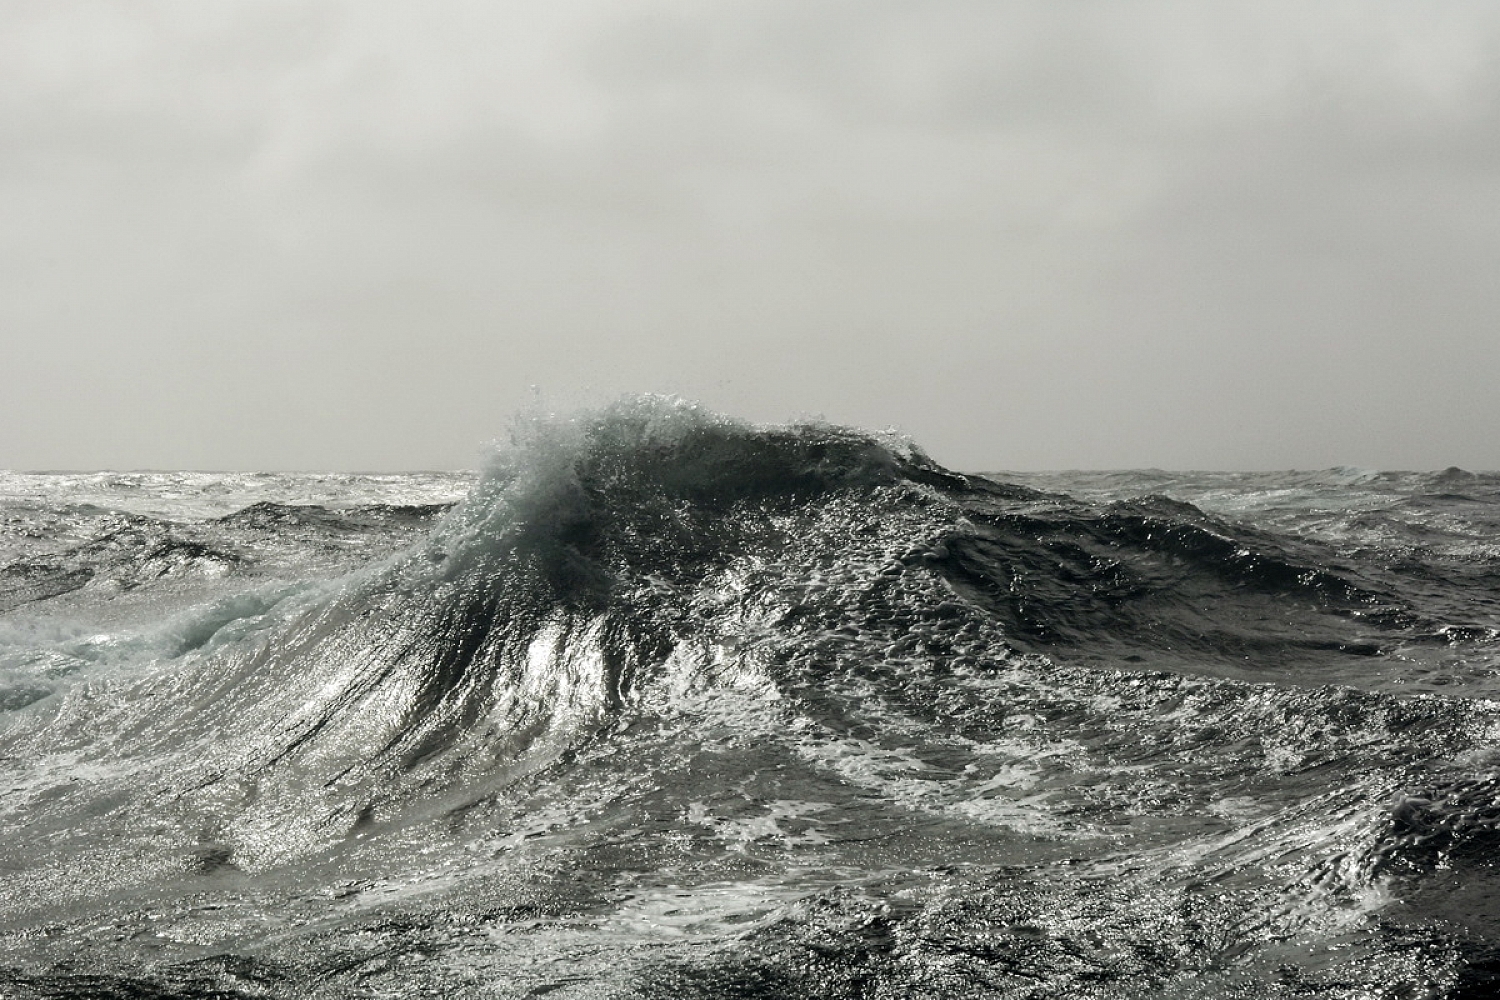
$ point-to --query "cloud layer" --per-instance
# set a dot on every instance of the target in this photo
(337, 235)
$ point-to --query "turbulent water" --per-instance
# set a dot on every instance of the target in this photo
(663, 705)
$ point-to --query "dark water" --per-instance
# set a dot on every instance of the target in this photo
(667, 706)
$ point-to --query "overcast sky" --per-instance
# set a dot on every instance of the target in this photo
(352, 235)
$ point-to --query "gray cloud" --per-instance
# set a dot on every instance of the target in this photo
(1031, 234)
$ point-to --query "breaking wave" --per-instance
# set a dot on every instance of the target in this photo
(847, 722)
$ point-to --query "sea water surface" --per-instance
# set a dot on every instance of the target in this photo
(660, 704)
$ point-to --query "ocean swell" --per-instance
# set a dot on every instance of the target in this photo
(698, 708)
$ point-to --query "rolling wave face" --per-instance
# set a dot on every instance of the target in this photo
(544, 602)
(670, 705)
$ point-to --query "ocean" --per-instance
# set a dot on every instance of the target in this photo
(659, 704)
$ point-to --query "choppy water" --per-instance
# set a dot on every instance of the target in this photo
(662, 705)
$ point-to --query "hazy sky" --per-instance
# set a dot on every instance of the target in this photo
(261, 234)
